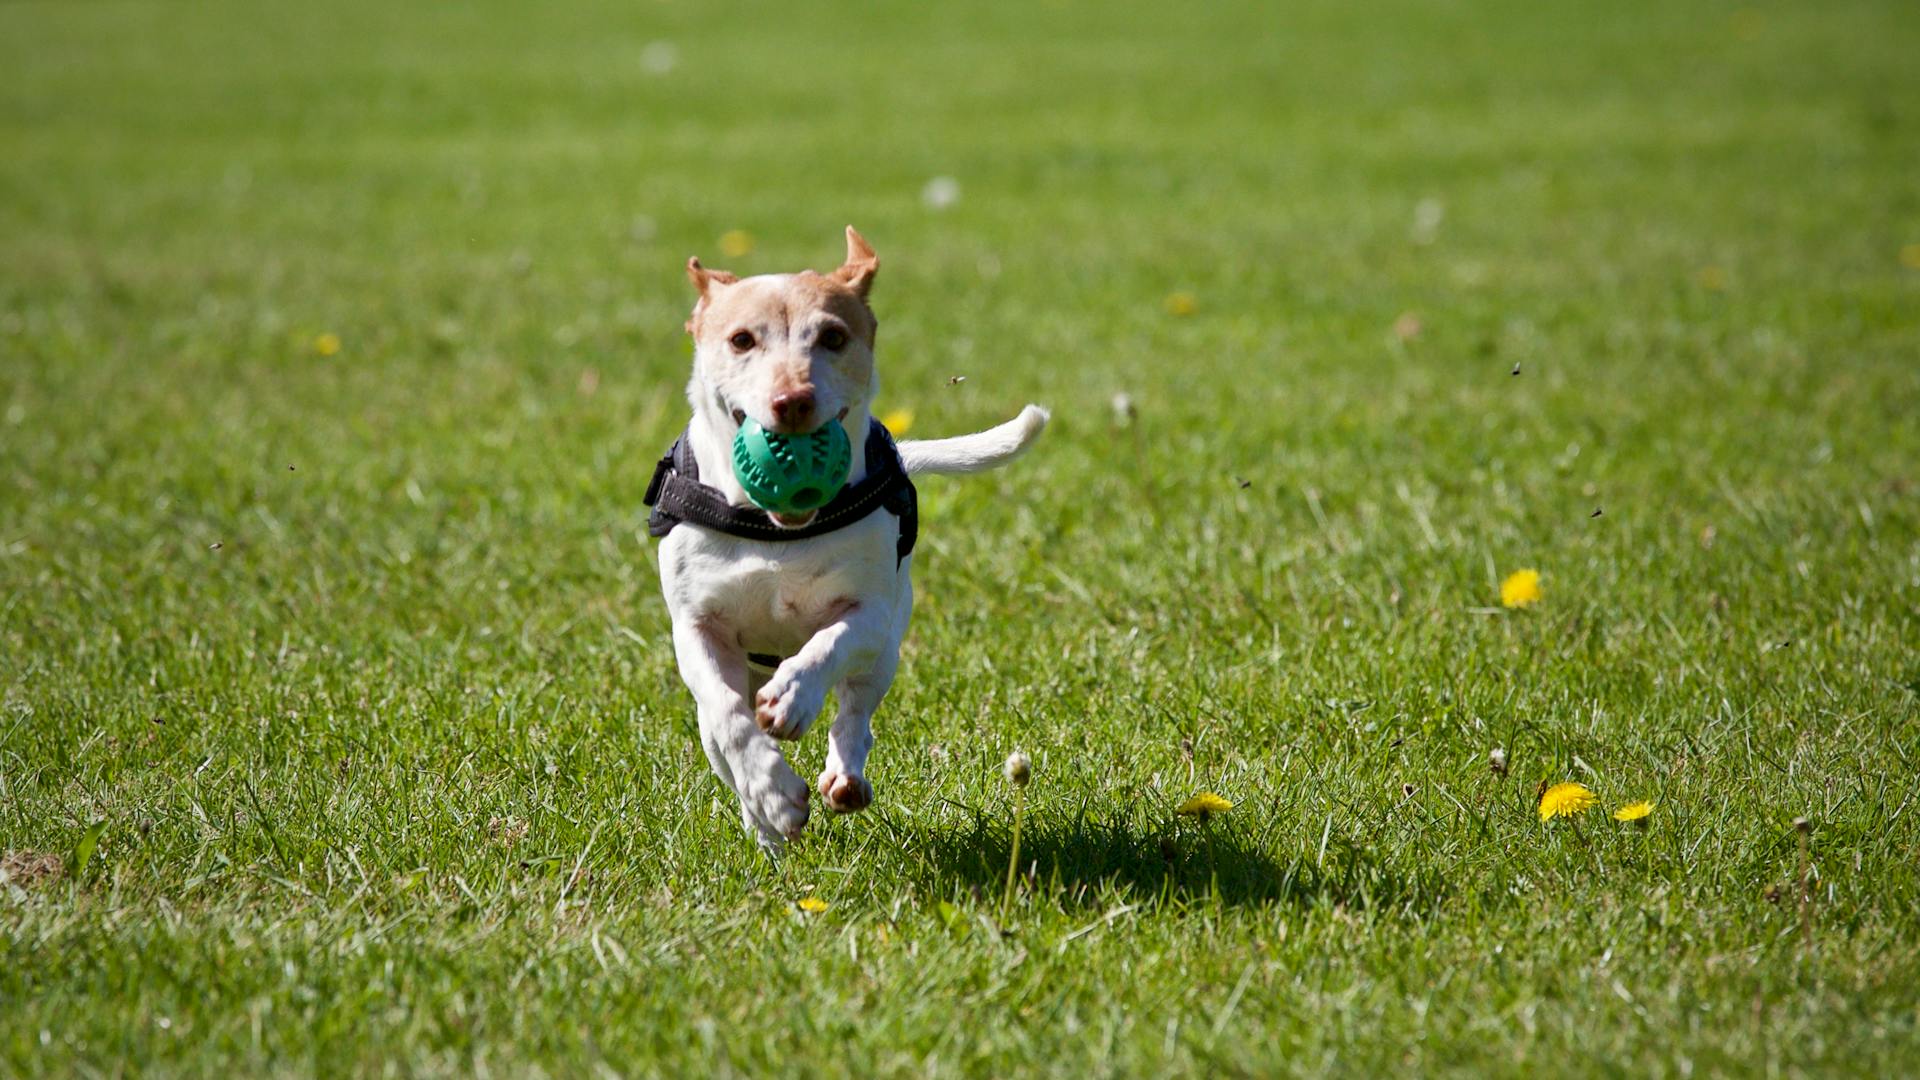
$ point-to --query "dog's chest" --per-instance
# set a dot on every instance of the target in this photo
(776, 596)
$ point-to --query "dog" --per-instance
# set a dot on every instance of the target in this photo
(771, 611)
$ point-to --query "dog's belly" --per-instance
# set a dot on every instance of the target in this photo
(769, 599)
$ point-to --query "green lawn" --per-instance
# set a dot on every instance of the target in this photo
(359, 657)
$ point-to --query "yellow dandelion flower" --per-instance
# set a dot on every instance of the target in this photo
(812, 905)
(736, 243)
(1205, 805)
(1712, 278)
(1565, 800)
(1910, 256)
(1521, 588)
(897, 420)
(1634, 811)
(326, 344)
(1182, 303)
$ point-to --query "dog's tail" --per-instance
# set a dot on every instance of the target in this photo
(979, 451)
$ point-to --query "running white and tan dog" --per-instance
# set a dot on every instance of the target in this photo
(770, 612)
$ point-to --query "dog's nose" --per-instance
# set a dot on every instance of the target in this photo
(794, 409)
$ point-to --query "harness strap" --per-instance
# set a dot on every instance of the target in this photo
(676, 495)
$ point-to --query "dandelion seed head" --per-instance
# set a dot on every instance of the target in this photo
(1428, 213)
(659, 57)
(940, 193)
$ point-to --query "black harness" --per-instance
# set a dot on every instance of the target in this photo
(677, 495)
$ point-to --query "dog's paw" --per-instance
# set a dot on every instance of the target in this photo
(786, 707)
(774, 805)
(844, 792)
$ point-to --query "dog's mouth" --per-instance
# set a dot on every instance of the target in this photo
(740, 418)
(785, 521)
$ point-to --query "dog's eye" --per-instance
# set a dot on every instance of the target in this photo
(833, 339)
(741, 341)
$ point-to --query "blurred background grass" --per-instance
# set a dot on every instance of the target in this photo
(314, 630)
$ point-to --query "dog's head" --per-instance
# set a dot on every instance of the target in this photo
(793, 351)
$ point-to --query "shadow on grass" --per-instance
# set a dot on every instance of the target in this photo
(1089, 863)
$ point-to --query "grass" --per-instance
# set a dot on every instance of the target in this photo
(359, 664)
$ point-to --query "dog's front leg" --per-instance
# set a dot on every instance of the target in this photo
(773, 799)
(843, 781)
(850, 643)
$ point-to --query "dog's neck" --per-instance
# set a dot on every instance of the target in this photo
(711, 432)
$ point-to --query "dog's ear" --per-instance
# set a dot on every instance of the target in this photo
(857, 272)
(704, 279)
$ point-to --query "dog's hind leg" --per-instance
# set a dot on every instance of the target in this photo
(843, 782)
(773, 800)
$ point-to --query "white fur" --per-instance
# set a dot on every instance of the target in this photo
(978, 452)
(835, 606)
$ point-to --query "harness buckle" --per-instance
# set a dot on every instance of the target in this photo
(660, 470)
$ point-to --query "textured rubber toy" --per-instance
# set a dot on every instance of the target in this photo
(791, 474)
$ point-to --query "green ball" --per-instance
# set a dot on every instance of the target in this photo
(791, 474)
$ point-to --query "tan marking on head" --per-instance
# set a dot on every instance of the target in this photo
(786, 314)
(758, 301)
(824, 292)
